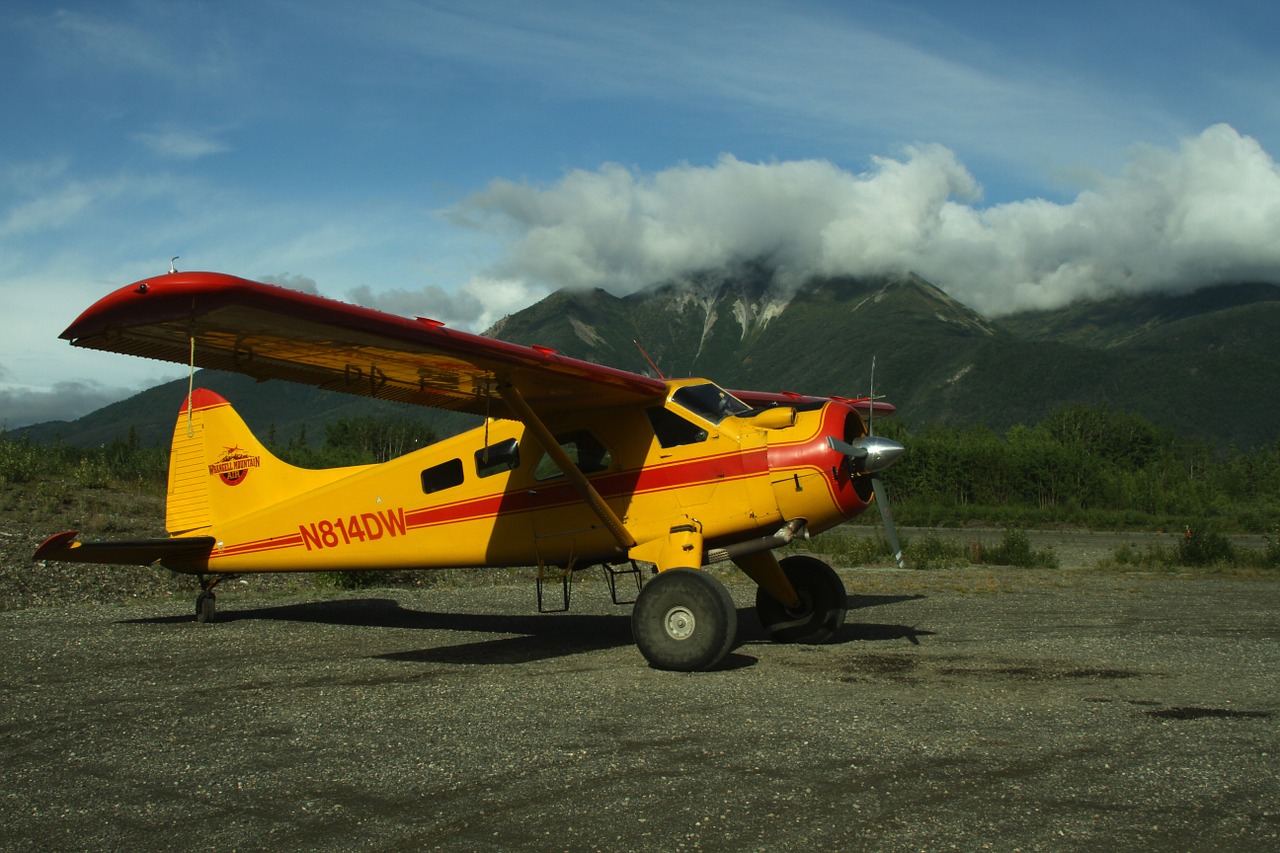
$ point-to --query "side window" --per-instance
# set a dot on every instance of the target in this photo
(673, 430)
(496, 458)
(446, 475)
(583, 448)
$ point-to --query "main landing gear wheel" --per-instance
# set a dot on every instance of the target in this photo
(684, 620)
(823, 603)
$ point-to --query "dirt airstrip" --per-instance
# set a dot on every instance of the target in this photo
(962, 709)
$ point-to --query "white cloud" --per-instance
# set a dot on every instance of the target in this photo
(155, 41)
(49, 210)
(43, 198)
(1205, 213)
(180, 143)
(836, 79)
(476, 305)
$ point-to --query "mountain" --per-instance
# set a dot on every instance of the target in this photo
(818, 339)
(1203, 363)
(275, 410)
(1207, 363)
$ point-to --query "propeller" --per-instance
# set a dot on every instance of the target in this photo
(870, 455)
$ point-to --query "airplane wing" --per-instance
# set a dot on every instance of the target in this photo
(219, 321)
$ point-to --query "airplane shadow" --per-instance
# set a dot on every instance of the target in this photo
(530, 637)
(751, 631)
(527, 637)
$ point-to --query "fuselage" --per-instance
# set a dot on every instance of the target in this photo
(493, 497)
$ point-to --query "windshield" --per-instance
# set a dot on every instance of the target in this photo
(710, 401)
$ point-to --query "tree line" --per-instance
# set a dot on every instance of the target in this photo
(124, 463)
(1091, 466)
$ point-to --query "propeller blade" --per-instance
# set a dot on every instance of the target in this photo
(845, 447)
(890, 531)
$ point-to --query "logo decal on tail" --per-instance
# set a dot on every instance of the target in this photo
(234, 466)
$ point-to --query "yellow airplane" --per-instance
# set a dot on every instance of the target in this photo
(576, 465)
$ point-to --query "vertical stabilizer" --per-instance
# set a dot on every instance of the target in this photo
(218, 470)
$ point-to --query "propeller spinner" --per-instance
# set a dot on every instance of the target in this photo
(870, 455)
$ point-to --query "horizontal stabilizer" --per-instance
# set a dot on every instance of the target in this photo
(139, 552)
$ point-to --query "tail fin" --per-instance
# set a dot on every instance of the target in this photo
(219, 471)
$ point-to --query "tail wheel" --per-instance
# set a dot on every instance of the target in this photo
(206, 606)
(823, 603)
(684, 620)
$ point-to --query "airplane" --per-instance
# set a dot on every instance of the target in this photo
(576, 465)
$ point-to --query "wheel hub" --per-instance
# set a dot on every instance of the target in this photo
(679, 623)
(804, 609)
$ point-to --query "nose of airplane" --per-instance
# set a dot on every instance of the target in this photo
(881, 452)
(869, 454)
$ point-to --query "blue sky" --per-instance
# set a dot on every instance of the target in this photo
(462, 159)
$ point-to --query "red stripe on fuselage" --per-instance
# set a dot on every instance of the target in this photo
(259, 546)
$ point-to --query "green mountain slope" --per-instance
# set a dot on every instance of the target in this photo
(1207, 363)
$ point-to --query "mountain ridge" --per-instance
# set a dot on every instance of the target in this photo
(1203, 362)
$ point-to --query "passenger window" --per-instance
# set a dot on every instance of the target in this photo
(496, 458)
(673, 430)
(446, 475)
(583, 448)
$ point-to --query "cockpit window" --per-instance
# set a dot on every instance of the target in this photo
(710, 401)
(673, 430)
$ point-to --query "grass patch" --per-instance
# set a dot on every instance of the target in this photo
(1015, 550)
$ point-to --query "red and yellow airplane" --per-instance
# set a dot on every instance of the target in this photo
(576, 465)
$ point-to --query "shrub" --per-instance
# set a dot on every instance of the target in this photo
(1150, 556)
(20, 461)
(1015, 550)
(1206, 545)
(934, 552)
(349, 580)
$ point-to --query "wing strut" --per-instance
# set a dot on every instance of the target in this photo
(516, 402)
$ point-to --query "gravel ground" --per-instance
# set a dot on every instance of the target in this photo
(963, 709)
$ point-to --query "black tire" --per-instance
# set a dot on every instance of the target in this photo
(206, 607)
(823, 604)
(684, 620)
